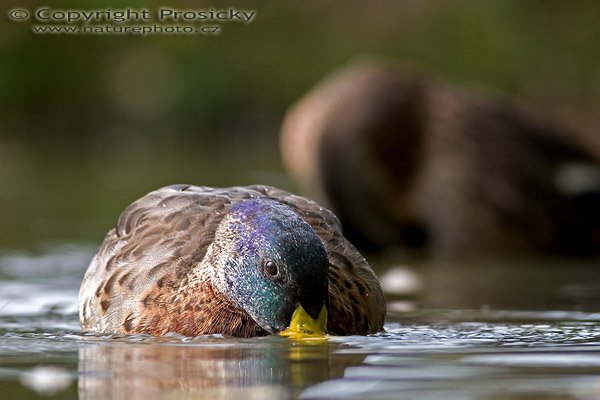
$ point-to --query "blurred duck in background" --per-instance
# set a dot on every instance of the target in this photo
(406, 159)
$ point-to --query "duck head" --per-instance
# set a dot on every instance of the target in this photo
(269, 262)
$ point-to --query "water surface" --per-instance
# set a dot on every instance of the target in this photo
(545, 346)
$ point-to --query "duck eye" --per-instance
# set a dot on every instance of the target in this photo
(270, 268)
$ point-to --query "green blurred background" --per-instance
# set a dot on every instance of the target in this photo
(89, 123)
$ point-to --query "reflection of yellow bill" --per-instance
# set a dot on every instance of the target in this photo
(304, 327)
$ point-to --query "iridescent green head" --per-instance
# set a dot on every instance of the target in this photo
(269, 261)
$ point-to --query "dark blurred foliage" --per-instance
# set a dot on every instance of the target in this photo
(89, 123)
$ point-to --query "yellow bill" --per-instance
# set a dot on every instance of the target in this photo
(304, 327)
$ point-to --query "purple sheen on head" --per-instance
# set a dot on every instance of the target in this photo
(265, 222)
(263, 230)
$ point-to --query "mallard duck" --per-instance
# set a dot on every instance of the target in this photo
(238, 261)
(405, 158)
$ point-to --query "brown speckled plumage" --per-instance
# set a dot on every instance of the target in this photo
(141, 280)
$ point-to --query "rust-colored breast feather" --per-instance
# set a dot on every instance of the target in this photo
(139, 280)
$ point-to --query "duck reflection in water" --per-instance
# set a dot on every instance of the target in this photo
(270, 368)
